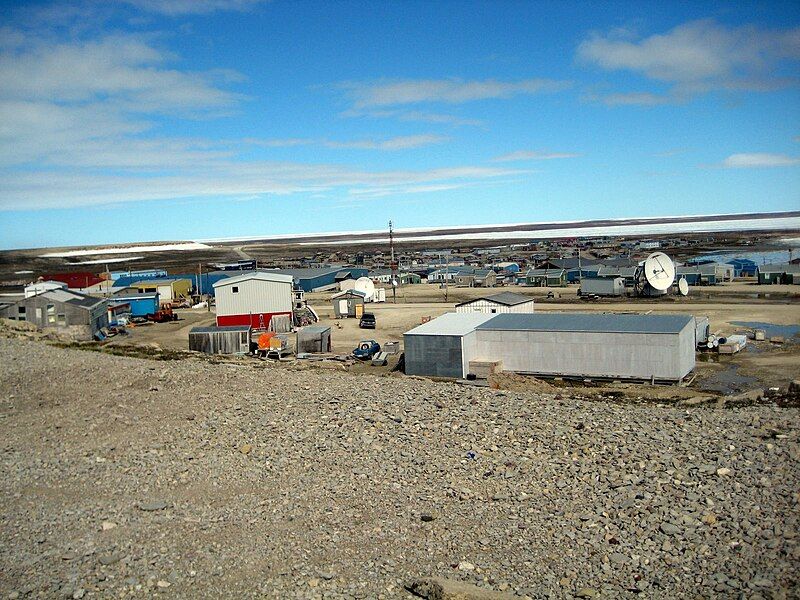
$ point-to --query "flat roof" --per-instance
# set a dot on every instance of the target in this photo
(221, 329)
(451, 324)
(260, 275)
(504, 298)
(588, 322)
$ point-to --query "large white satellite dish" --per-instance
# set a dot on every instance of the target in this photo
(364, 284)
(659, 271)
(683, 287)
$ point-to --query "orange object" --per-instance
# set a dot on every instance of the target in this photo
(263, 340)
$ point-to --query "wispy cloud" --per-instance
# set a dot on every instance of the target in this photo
(412, 116)
(521, 155)
(755, 160)
(396, 143)
(671, 152)
(448, 91)
(697, 57)
(192, 7)
(635, 99)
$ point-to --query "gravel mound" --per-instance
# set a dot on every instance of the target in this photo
(123, 476)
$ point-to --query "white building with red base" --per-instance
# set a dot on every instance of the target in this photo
(253, 299)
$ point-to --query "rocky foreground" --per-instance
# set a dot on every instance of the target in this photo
(123, 476)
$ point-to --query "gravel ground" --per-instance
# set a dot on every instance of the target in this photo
(123, 476)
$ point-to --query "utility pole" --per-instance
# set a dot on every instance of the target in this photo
(446, 276)
(392, 264)
(580, 271)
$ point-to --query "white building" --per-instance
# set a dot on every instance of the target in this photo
(34, 289)
(253, 299)
(504, 302)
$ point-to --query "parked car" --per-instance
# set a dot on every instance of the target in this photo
(367, 321)
(366, 349)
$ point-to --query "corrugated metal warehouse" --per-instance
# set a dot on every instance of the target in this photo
(504, 302)
(220, 340)
(660, 347)
(253, 299)
(444, 346)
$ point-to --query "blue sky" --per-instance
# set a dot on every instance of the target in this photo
(188, 119)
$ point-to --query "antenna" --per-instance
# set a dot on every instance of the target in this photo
(683, 287)
(392, 264)
(659, 271)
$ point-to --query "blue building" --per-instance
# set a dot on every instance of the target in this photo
(141, 274)
(322, 278)
(141, 304)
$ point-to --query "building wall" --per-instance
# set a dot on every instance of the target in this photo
(591, 354)
(140, 307)
(603, 286)
(254, 296)
(254, 320)
(220, 342)
(434, 355)
(489, 307)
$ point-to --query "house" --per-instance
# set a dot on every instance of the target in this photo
(63, 311)
(254, 299)
(503, 302)
(140, 305)
(511, 267)
(778, 273)
(546, 277)
(385, 276)
(77, 280)
(484, 278)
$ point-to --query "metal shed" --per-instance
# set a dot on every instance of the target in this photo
(220, 340)
(444, 346)
(349, 303)
(314, 338)
(253, 298)
(504, 302)
(603, 286)
(619, 346)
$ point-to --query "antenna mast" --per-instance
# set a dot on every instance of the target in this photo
(392, 264)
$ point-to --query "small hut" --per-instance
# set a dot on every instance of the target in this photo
(314, 338)
(349, 303)
(233, 339)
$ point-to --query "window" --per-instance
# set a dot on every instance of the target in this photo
(21, 313)
(51, 313)
(62, 319)
(494, 310)
(235, 289)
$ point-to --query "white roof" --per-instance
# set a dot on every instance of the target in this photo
(452, 324)
(260, 275)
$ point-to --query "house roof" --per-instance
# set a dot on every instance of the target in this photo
(71, 297)
(504, 298)
(344, 293)
(588, 322)
(545, 272)
(259, 275)
(451, 324)
(779, 268)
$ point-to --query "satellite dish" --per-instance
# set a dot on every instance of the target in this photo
(365, 285)
(659, 271)
(683, 287)
(394, 282)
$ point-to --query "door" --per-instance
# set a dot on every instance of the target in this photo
(359, 310)
(343, 308)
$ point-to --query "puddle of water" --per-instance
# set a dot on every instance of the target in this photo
(728, 381)
(786, 331)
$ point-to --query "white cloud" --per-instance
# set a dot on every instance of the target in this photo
(395, 143)
(412, 116)
(635, 99)
(533, 155)
(451, 91)
(756, 160)
(228, 179)
(699, 56)
(189, 7)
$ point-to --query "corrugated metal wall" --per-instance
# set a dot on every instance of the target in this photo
(254, 296)
(433, 355)
(591, 354)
